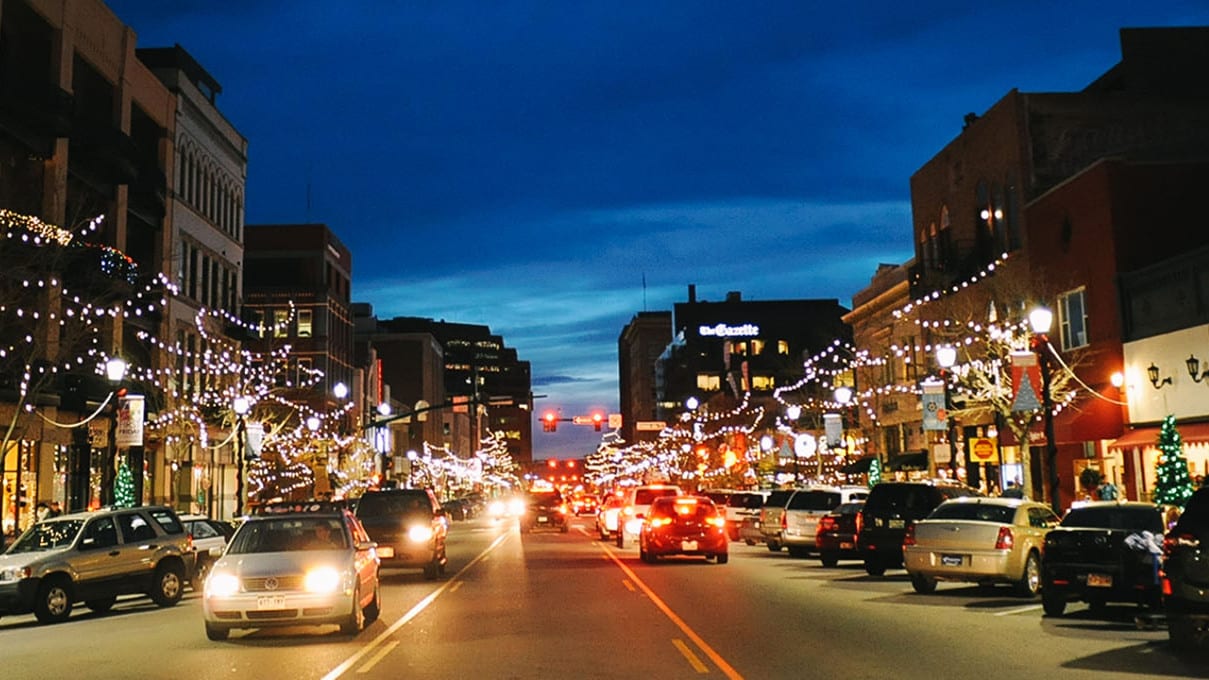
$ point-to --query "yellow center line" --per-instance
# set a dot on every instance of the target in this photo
(455, 587)
(688, 654)
(667, 611)
(373, 661)
(629, 586)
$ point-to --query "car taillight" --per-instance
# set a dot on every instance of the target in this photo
(628, 511)
(717, 520)
(827, 523)
(1179, 541)
(660, 521)
(860, 522)
(909, 537)
(1006, 540)
(563, 508)
(189, 542)
(784, 520)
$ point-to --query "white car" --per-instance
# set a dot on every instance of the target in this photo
(291, 569)
(209, 538)
(637, 503)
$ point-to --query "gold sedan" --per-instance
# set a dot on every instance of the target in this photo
(981, 540)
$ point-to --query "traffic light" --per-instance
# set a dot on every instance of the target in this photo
(597, 420)
(549, 422)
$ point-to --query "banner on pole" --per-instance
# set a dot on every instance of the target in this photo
(933, 398)
(1026, 382)
(130, 421)
(833, 426)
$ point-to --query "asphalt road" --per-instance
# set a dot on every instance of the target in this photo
(552, 605)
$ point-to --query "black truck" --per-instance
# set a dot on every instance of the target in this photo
(1103, 551)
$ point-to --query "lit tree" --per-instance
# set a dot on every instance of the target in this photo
(875, 472)
(123, 487)
(1172, 484)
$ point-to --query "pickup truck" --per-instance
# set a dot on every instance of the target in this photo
(1103, 551)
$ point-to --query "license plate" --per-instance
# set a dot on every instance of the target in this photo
(846, 546)
(270, 602)
(757, 524)
(897, 523)
(386, 551)
(543, 519)
(1099, 580)
(951, 560)
(688, 545)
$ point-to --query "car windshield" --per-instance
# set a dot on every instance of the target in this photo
(979, 512)
(47, 536)
(545, 500)
(849, 508)
(814, 500)
(777, 498)
(379, 504)
(748, 501)
(1115, 517)
(684, 508)
(647, 496)
(289, 534)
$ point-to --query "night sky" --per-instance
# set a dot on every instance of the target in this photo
(561, 166)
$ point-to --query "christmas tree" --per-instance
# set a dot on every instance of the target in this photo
(123, 487)
(1172, 486)
(875, 472)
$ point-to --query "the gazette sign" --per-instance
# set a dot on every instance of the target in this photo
(726, 331)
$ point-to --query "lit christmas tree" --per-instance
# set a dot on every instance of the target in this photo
(1172, 486)
(123, 487)
(875, 472)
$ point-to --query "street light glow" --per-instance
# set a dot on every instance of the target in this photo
(1041, 319)
(115, 370)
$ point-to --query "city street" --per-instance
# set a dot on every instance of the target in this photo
(553, 605)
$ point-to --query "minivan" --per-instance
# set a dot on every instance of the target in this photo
(800, 521)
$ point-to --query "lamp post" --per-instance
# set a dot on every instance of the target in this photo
(240, 406)
(115, 371)
(947, 356)
(793, 412)
(1040, 319)
(843, 397)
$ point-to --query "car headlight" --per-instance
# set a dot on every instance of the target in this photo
(516, 506)
(221, 584)
(322, 580)
(496, 508)
(420, 533)
(15, 573)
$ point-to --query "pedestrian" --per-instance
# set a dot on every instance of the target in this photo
(1014, 490)
(54, 510)
(41, 511)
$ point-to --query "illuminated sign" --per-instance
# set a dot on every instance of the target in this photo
(724, 331)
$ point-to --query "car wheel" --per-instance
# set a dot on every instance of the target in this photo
(748, 541)
(874, 566)
(54, 600)
(722, 558)
(620, 538)
(101, 605)
(169, 585)
(1184, 634)
(200, 572)
(774, 546)
(1053, 603)
(1030, 580)
(374, 608)
(923, 584)
(564, 529)
(604, 535)
(356, 620)
(431, 569)
(645, 556)
(798, 551)
(829, 559)
(216, 633)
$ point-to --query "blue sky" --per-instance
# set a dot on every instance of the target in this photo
(526, 165)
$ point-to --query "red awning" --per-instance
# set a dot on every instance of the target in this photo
(1149, 436)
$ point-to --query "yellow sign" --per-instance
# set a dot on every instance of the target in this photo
(982, 449)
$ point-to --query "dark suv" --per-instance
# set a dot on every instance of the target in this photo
(1186, 574)
(545, 509)
(892, 507)
(92, 557)
(409, 527)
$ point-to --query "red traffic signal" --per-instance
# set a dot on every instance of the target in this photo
(549, 422)
(597, 420)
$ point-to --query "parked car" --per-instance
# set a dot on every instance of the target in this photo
(1186, 574)
(409, 527)
(772, 516)
(545, 509)
(982, 540)
(743, 516)
(209, 538)
(1103, 551)
(638, 501)
(800, 519)
(892, 507)
(93, 557)
(294, 568)
(835, 538)
(683, 525)
(607, 513)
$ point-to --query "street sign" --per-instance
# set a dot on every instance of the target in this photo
(581, 420)
(648, 425)
(615, 421)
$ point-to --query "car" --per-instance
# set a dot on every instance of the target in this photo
(409, 527)
(545, 509)
(505, 507)
(638, 500)
(981, 540)
(607, 513)
(317, 566)
(93, 557)
(741, 507)
(1103, 551)
(772, 516)
(835, 537)
(804, 509)
(209, 538)
(683, 525)
(892, 507)
(1185, 576)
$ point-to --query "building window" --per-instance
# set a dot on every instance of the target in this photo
(740, 348)
(281, 323)
(708, 383)
(762, 383)
(757, 347)
(305, 320)
(1072, 315)
(783, 347)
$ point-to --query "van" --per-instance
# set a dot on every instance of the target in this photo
(771, 515)
(800, 521)
(892, 507)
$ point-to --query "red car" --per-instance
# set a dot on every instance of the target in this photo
(683, 525)
(837, 532)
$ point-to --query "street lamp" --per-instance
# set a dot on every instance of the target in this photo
(947, 356)
(843, 396)
(240, 405)
(115, 371)
(1040, 319)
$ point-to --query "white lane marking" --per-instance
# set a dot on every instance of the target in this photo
(413, 613)
(373, 661)
(1021, 610)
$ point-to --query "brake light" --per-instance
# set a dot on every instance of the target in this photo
(562, 509)
(860, 522)
(909, 537)
(660, 521)
(717, 520)
(1006, 540)
(784, 520)
(189, 542)
(628, 511)
(1166, 586)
